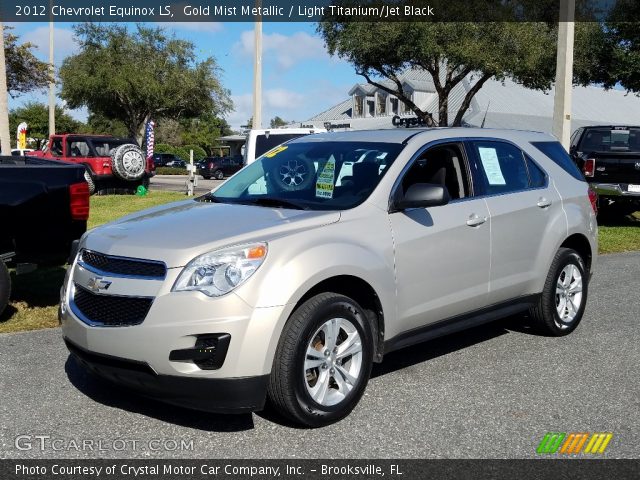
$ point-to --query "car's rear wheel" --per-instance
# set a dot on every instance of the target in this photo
(323, 361)
(561, 305)
(5, 286)
(218, 175)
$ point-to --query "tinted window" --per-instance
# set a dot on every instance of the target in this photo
(556, 152)
(264, 143)
(537, 178)
(616, 139)
(499, 168)
(312, 175)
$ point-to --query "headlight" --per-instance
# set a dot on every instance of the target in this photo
(218, 272)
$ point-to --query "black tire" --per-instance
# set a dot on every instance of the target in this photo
(206, 177)
(5, 286)
(218, 175)
(128, 162)
(545, 314)
(288, 383)
(90, 181)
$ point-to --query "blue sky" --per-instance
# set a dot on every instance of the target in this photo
(299, 78)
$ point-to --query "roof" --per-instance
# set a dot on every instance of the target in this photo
(506, 104)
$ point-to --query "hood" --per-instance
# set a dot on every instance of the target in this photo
(177, 232)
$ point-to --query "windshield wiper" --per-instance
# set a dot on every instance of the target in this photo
(209, 197)
(275, 202)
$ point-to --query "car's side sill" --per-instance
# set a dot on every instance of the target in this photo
(460, 322)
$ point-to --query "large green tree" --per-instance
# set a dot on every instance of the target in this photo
(36, 115)
(135, 76)
(621, 62)
(454, 51)
(24, 71)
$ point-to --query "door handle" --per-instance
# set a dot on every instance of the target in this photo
(543, 202)
(475, 220)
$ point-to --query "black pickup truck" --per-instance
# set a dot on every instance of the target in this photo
(44, 207)
(609, 157)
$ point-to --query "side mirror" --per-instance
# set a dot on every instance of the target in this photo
(423, 195)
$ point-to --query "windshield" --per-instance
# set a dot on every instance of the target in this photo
(311, 175)
(620, 139)
(104, 146)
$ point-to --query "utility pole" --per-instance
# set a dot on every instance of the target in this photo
(5, 137)
(564, 73)
(257, 71)
(52, 85)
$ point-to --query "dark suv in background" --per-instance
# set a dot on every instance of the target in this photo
(609, 157)
(219, 167)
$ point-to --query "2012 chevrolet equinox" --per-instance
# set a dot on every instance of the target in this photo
(325, 254)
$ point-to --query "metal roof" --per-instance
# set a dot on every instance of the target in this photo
(505, 104)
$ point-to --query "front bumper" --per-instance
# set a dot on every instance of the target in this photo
(220, 395)
(614, 190)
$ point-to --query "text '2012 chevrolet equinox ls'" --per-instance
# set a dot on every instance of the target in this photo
(323, 255)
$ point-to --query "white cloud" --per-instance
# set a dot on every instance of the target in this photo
(63, 42)
(286, 49)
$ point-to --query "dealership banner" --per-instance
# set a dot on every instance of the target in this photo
(300, 10)
(319, 469)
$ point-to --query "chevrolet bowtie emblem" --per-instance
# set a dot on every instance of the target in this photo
(96, 284)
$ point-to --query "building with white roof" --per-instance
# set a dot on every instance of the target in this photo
(499, 104)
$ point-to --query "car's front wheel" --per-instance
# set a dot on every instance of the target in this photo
(218, 175)
(561, 305)
(323, 361)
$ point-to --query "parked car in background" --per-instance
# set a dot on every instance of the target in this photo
(21, 152)
(609, 157)
(176, 164)
(44, 207)
(219, 167)
(162, 159)
(112, 165)
(291, 291)
(260, 142)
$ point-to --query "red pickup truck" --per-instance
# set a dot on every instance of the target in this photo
(110, 163)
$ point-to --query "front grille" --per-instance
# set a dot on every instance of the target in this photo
(110, 310)
(124, 266)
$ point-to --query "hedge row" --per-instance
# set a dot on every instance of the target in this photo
(171, 171)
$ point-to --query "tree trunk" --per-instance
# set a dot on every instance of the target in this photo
(457, 122)
(5, 136)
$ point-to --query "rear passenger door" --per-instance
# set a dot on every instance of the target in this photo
(522, 203)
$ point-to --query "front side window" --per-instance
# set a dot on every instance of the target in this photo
(311, 175)
(499, 168)
(440, 165)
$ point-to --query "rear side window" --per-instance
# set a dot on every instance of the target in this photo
(560, 157)
(537, 178)
(499, 168)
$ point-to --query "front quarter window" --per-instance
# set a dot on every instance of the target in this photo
(313, 175)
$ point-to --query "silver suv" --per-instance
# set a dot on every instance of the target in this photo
(325, 254)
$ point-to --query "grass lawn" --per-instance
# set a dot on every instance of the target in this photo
(35, 295)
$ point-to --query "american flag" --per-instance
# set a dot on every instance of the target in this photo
(149, 138)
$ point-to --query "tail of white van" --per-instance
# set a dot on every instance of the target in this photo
(260, 142)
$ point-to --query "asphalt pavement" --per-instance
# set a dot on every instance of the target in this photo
(492, 392)
(178, 183)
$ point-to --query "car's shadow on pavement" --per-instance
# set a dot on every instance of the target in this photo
(425, 351)
(111, 395)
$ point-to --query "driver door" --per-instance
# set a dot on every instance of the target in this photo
(442, 253)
